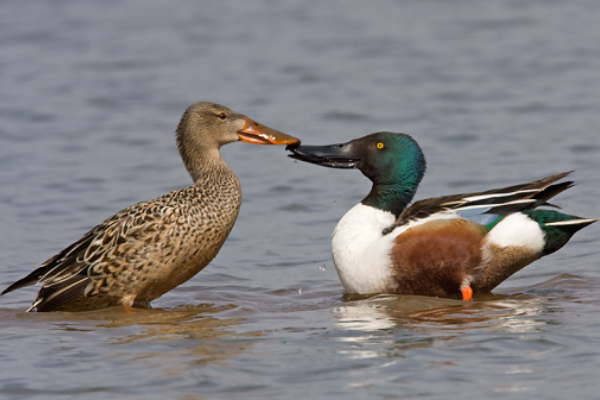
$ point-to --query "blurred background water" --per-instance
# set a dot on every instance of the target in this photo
(495, 92)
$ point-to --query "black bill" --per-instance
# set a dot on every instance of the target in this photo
(335, 156)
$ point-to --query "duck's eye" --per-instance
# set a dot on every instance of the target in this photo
(222, 115)
(380, 145)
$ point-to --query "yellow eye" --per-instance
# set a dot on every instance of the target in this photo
(380, 145)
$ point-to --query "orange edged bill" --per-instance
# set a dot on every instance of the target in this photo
(256, 133)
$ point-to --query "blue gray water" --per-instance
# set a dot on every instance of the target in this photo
(496, 93)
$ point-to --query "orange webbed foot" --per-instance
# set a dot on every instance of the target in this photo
(467, 293)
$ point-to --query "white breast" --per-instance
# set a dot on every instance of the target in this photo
(361, 252)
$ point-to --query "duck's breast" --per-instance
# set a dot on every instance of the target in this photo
(361, 253)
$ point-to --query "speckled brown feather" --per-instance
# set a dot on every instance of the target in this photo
(145, 250)
(153, 246)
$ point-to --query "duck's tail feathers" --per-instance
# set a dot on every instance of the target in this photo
(54, 297)
(29, 280)
(558, 228)
(56, 269)
(553, 190)
(40, 274)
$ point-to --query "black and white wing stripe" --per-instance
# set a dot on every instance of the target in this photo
(500, 201)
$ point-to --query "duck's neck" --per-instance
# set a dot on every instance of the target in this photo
(200, 153)
(391, 197)
(210, 169)
(395, 192)
(203, 163)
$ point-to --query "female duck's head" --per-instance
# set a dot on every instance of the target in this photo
(205, 127)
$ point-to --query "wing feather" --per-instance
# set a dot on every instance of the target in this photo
(500, 201)
(128, 226)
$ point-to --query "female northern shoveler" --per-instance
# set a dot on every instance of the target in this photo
(462, 243)
(149, 248)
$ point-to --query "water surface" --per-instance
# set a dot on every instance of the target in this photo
(495, 92)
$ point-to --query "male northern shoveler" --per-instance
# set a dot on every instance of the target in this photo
(459, 244)
(151, 247)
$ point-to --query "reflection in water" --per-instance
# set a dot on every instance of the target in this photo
(407, 335)
(417, 312)
(198, 337)
(406, 322)
(195, 335)
(189, 333)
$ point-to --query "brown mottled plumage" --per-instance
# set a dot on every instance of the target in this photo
(151, 247)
